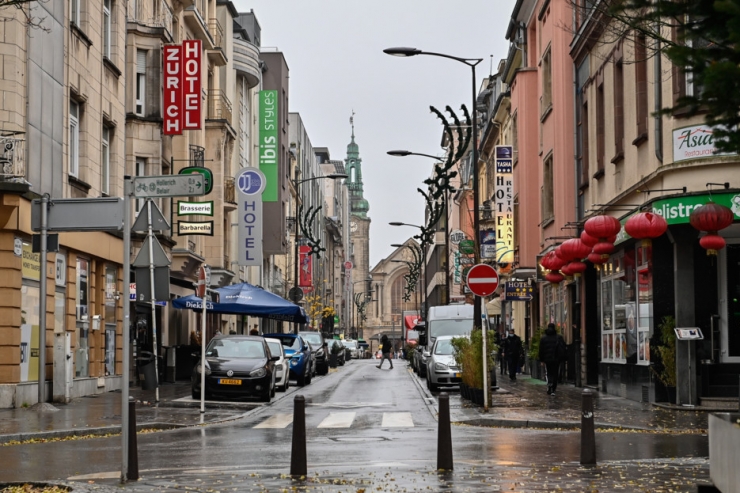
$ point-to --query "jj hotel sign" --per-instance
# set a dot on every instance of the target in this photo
(250, 183)
(182, 86)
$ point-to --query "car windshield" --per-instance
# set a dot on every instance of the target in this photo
(451, 327)
(235, 348)
(350, 344)
(290, 342)
(275, 348)
(313, 337)
(444, 347)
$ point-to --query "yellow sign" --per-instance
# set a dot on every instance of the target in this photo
(31, 263)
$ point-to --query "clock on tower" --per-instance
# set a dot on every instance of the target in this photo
(353, 226)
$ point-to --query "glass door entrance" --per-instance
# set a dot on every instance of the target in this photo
(729, 275)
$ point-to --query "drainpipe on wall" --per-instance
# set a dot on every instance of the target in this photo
(658, 103)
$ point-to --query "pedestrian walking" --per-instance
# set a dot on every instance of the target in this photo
(386, 351)
(552, 353)
(512, 353)
(500, 353)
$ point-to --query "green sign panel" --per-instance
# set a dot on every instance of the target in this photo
(268, 143)
(336, 319)
(207, 175)
(677, 210)
(467, 246)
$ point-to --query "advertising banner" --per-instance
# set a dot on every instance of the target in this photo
(250, 183)
(172, 89)
(504, 205)
(488, 243)
(305, 263)
(268, 143)
(191, 87)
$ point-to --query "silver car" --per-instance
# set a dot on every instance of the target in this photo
(440, 364)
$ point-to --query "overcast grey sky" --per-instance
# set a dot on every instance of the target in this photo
(334, 50)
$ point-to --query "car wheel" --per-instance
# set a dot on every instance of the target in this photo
(266, 396)
(308, 378)
(301, 380)
(273, 391)
(432, 386)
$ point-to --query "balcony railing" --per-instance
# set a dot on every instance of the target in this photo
(219, 106)
(217, 32)
(12, 165)
(153, 14)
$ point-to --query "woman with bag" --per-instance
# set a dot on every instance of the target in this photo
(552, 353)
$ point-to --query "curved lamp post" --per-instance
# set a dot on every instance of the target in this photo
(470, 62)
(404, 153)
(332, 176)
(424, 267)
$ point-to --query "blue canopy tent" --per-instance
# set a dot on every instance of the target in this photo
(246, 299)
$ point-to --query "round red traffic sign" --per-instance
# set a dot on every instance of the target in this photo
(204, 278)
(482, 280)
(348, 265)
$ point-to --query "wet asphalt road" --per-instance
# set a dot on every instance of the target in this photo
(364, 447)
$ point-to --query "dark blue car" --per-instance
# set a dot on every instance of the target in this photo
(298, 354)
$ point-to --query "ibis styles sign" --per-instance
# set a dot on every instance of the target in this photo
(268, 143)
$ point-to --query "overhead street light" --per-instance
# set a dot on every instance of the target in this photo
(470, 62)
(332, 176)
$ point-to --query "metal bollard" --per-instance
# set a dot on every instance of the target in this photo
(738, 395)
(298, 465)
(588, 438)
(133, 454)
(444, 435)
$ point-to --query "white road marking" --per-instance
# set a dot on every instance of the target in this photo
(397, 420)
(476, 280)
(279, 420)
(338, 420)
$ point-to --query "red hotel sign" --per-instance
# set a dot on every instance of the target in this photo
(182, 86)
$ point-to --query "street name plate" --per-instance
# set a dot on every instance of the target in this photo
(169, 186)
(95, 214)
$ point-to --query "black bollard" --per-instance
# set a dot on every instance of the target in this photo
(444, 435)
(588, 437)
(298, 465)
(133, 453)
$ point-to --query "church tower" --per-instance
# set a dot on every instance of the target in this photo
(359, 225)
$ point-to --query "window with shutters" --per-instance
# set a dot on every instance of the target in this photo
(548, 209)
(600, 125)
(105, 161)
(140, 82)
(140, 171)
(74, 12)
(74, 138)
(107, 4)
(546, 104)
(582, 77)
(641, 89)
(618, 111)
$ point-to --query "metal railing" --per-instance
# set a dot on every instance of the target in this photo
(154, 14)
(219, 106)
(217, 32)
(12, 164)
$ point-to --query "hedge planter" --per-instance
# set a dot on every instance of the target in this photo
(477, 396)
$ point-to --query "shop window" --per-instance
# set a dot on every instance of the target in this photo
(82, 329)
(111, 291)
(555, 306)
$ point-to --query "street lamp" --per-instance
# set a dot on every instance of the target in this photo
(424, 290)
(404, 153)
(470, 62)
(332, 176)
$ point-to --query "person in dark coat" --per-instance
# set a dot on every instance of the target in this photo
(552, 353)
(512, 353)
(386, 350)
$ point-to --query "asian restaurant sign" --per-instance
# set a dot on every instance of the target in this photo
(694, 142)
(677, 210)
(181, 92)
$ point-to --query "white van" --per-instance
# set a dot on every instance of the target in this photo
(447, 320)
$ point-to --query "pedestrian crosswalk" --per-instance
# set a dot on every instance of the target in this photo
(338, 420)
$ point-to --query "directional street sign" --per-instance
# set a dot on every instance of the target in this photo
(169, 186)
(482, 280)
(97, 214)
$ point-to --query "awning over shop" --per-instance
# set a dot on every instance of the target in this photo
(245, 299)
(411, 321)
(493, 307)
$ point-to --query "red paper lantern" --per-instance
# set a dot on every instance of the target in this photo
(596, 258)
(554, 277)
(645, 225)
(711, 217)
(566, 270)
(556, 261)
(588, 240)
(603, 248)
(602, 226)
(712, 243)
(574, 249)
(577, 267)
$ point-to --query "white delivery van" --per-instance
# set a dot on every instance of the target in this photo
(447, 320)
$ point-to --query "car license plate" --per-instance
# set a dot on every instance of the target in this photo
(229, 381)
(457, 375)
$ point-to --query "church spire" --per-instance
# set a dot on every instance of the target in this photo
(353, 164)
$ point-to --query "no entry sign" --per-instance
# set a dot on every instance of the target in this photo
(482, 280)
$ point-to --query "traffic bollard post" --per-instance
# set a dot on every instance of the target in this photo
(133, 454)
(298, 465)
(444, 435)
(588, 437)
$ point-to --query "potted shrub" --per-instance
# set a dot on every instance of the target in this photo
(461, 346)
(470, 359)
(533, 353)
(665, 368)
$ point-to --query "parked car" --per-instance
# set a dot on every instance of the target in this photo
(236, 366)
(351, 348)
(442, 370)
(282, 380)
(298, 354)
(340, 353)
(312, 351)
(319, 348)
